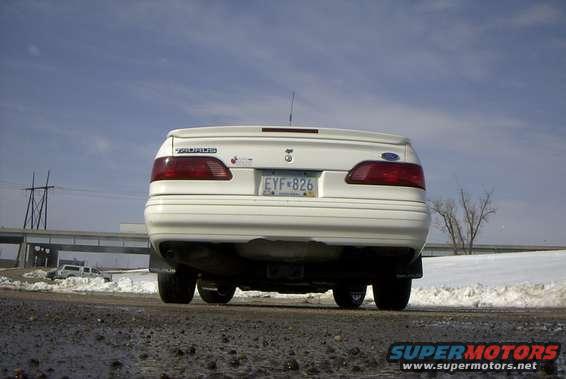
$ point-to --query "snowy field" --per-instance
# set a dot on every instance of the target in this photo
(533, 279)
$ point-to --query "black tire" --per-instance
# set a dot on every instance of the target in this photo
(177, 288)
(221, 295)
(392, 294)
(349, 297)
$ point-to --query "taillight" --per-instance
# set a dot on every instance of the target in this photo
(189, 168)
(387, 174)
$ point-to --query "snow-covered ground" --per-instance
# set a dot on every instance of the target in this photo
(533, 279)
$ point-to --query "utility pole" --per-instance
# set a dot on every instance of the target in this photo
(36, 211)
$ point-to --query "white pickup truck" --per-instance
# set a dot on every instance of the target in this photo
(286, 209)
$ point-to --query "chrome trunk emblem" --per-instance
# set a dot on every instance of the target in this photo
(288, 156)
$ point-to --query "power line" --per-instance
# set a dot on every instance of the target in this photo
(65, 190)
(9, 183)
(88, 192)
(101, 195)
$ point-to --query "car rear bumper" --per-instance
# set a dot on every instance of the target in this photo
(333, 221)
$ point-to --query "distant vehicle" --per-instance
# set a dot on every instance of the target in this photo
(69, 271)
(286, 209)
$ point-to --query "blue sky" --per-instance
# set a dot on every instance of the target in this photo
(89, 90)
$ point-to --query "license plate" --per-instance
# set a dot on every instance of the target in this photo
(289, 183)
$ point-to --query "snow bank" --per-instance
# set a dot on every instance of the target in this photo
(533, 279)
(37, 274)
(478, 296)
(474, 296)
(83, 285)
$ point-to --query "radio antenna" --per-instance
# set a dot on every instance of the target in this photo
(291, 111)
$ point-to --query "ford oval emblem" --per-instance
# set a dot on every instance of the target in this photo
(390, 156)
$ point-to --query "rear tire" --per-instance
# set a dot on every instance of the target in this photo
(349, 297)
(221, 295)
(177, 288)
(392, 294)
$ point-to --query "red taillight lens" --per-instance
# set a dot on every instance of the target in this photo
(387, 174)
(189, 168)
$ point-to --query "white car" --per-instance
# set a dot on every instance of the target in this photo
(286, 209)
(68, 271)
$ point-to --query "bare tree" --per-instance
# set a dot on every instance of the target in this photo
(448, 223)
(463, 219)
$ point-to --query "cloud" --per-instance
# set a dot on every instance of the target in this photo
(539, 14)
(559, 43)
(400, 43)
(324, 105)
(101, 145)
(440, 5)
(34, 51)
(88, 140)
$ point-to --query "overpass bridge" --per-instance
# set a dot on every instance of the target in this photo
(34, 244)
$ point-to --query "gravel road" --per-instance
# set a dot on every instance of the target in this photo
(90, 336)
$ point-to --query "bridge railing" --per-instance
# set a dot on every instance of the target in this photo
(138, 243)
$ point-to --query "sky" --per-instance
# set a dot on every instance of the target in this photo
(89, 90)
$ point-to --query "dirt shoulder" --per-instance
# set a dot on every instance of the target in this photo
(118, 336)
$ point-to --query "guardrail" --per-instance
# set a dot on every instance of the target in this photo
(440, 249)
(17, 235)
